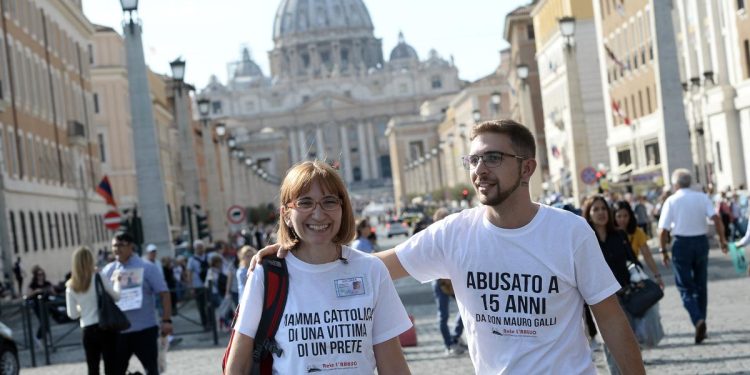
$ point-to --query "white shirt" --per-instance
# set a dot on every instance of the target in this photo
(520, 291)
(335, 313)
(84, 305)
(685, 212)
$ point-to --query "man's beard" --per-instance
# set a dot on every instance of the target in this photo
(501, 195)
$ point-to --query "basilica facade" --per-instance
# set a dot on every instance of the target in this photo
(330, 93)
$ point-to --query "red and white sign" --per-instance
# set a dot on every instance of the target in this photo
(588, 175)
(236, 214)
(112, 220)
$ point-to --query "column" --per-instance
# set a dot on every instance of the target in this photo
(302, 144)
(346, 162)
(364, 164)
(293, 145)
(372, 151)
(321, 150)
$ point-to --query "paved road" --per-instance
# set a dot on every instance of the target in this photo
(726, 351)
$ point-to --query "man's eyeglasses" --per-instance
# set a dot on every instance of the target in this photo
(120, 244)
(490, 159)
(308, 204)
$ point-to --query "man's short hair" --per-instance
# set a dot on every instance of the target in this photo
(520, 136)
(124, 237)
(681, 178)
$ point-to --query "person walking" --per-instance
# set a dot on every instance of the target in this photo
(347, 293)
(244, 255)
(616, 250)
(19, 274)
(138, 281)
(40, 290)
(82, 303)
(521, 271)
(625, 221)
(197, 268)
(683, 217)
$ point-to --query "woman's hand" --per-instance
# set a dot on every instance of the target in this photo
(266, 251)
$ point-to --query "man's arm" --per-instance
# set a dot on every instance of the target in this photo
(663, 240)
(395, 268)
(618, 336)
(166, 318)
(720, 232)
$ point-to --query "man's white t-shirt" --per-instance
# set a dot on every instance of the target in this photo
(685, 212)
(334, 314)
(520, 291)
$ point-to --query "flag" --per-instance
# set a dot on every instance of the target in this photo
(615, 59)
(620, 113)
(105, 190)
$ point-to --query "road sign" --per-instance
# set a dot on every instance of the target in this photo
(112, 220)
(588, 175)
(236, 214)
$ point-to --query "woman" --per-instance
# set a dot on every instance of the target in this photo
(325, 279)
(615, 248)
(82, 302)
(362, 243)
(626, 222)
(244, 255)
(39, 289)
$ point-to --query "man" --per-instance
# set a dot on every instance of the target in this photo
(683, 216)
(197, 267)
(520, 271)
(139, 282)
(19, 273)
(642, 217)
(151, 257)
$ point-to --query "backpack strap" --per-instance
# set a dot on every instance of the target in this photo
(276, 280)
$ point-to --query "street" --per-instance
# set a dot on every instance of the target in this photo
(726, 351)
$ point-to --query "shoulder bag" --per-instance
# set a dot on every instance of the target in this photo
(642, 293)
(111, 318)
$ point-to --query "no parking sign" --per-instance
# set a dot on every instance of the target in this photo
(236, 214)
(588, 175)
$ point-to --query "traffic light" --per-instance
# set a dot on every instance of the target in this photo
(465, 194)
(202, 226)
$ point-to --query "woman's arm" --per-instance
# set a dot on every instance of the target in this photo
(71, 305)
(240, 359)
(390, 358)
(649, 259)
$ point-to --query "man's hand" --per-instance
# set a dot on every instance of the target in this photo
(166, 328)
(724, 245)
(665, 258)
(266, 251)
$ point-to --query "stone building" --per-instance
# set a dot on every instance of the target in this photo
(330, 93)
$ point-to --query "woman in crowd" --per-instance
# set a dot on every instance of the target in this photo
(325, 276)
(82, 302)
(39, 290)
(362, 243)
(615, 248)
(244, 255)
(626, 222)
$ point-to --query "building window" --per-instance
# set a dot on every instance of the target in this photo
(91, 54)
(648, 99)
(13, 232)
(385, 166)
(640, 101)
(357, 174)
(305, 60)
(623, 157)
(632, 105)
(530, 31)
(718, 159)
(740, 4)
(66, 241)
(436, 82)
(41, 230)
(96, 103)
(102, 149)
(747, 58)
(51, 230)
(78, 228)
(32, 225)
(23, 232)
(216, 107)
(652, 153)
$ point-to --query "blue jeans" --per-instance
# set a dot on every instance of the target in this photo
(443, 303)
(690, 265)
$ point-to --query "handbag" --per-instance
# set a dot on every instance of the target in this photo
(640, 296)
(111, 318)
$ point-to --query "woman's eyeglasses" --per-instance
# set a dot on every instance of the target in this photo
(308, 204)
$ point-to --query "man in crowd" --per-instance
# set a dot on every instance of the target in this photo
(197, 267)
(139, 283)
(683, 216)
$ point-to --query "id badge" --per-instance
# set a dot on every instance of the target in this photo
(353, 286)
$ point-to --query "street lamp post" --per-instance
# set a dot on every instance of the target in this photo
(151, 198)
(218, 229)
(187, 149)
(576, 125)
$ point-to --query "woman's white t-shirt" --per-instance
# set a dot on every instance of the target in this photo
(85, 305)
(334, 314)
(520, 291)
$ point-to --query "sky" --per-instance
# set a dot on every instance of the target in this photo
(209, 34)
